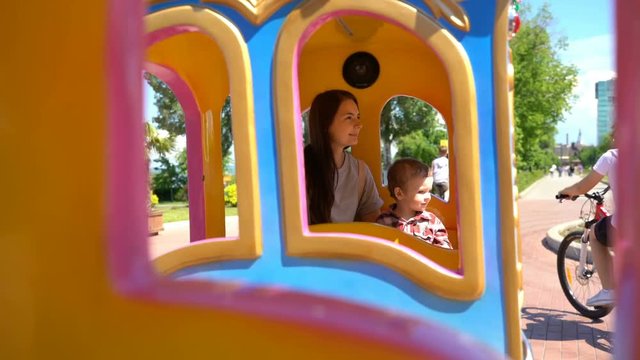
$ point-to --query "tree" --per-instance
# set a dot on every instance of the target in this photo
(589, 155)
(418, 146)
(543, 89)
(154, 143)
(170, 115)
(227, 133)
(170, 177)
(401, 116)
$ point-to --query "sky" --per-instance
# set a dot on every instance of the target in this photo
(589, 28)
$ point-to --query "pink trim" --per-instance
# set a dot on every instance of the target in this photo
(127, 230)
(627, 133)
(194, 146)
(167, 32)
(126, 169)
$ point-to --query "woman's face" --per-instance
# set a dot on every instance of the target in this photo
(346, 125)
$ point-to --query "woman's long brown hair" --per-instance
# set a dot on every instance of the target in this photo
(319, 165)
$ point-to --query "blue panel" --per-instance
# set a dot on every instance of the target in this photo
(170, 4)
(363, 282)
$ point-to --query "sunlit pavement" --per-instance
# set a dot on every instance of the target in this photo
(554, 328)
(176, 234)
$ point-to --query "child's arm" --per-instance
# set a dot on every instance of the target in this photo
(440, 235)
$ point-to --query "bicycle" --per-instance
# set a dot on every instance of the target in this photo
(577, 273)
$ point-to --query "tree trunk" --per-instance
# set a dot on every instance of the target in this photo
(386, 154)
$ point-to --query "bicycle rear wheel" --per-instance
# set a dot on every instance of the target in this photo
(578, 286)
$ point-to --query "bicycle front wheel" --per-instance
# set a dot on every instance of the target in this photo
(578, 284)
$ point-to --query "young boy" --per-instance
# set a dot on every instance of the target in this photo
(410, 185)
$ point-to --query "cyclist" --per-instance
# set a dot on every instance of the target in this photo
(600, 238)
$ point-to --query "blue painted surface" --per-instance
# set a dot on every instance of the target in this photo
(363, 282)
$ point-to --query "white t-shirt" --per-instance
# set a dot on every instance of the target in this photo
(347, 206)
(440, 168)
(606, 165)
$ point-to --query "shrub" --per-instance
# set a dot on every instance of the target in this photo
(231, 195)
(524, 179)
(153, 199)
(181, 195)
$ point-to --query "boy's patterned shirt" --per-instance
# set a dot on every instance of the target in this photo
(424, 225)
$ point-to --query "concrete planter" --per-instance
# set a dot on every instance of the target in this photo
(156, 222)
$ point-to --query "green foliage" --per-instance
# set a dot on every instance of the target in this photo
(416, 145)
(525, 178)
(231, 195)
(227, 132)
(153, 199)
(589, 155)
(175, 214)
(170, 115)
(179, 211)
(403, 116)
(170, 177)
(156, 143)
(543, 89)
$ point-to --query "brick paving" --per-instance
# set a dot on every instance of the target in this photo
(554, 328)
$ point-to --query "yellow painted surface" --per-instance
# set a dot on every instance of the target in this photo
(256, 11)
(56, 301)
(445, 82)
(215, 63)
(509, 231)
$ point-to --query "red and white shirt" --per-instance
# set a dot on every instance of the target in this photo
(424, 225)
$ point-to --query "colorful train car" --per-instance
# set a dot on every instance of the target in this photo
(77, 279)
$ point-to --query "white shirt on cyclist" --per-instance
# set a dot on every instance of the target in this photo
(606, 165)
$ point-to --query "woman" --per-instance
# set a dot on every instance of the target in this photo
(340, 188)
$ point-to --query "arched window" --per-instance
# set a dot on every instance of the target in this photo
(433, 67)
(203, 58)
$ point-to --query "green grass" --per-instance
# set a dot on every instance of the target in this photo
(179, 211)
(525, 178)
(175, 214)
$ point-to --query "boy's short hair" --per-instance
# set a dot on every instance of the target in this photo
(403, 170)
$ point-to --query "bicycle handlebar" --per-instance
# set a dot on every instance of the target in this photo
(596, 195)
(563, 196)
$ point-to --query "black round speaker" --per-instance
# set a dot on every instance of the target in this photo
(361, 70)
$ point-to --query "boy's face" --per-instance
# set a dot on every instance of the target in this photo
(417, 193)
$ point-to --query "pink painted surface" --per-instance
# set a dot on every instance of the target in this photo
(168, 32)
(126, 168)
(127, 230)
(627, 135)
(194, 146)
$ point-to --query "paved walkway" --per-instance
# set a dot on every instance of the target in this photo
(554, 328)
(176, 234)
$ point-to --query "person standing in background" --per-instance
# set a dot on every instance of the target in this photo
(440, 168)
